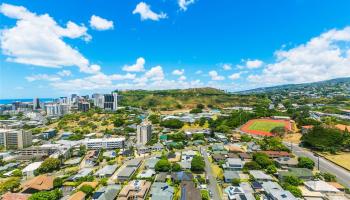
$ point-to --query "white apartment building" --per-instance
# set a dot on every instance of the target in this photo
(106, 101)
(143, 133)
(56, 109)
(105, 143)
(15, 139)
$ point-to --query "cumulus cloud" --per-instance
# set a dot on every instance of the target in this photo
(137, 67)
(182, 78)
(45, 77)
(100, 23)
(183, 4)
(146, 13)
(215, 76)
(178, 72)
(64, 73)
(235, 76)
(251, 64)
(38, 40)
(227, 66)
(324, 57)
(155, 73)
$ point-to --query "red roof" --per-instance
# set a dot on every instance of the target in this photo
(277, 153)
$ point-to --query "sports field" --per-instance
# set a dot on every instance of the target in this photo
(264, 127)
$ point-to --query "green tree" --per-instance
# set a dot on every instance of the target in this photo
(17, 173)
(198, 136)
(271, 169)
(205, 195)
(57, 182)
(200, 106)
(262, 159)
(252, 165)
(49, 165)
(163, 165)
(155, 119)
(292, 180)
(196, 110)
(236, 181)
(294, 190)
(9, 184)
(176, 167)
(197, 164)
(103, 181)
(118, 122)
(46, 195)
(172, 123)
(329, 177)
(87, 189)
(305, 162)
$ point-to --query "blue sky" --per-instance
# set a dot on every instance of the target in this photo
(54, 48)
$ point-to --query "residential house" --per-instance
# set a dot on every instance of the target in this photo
(106, 171)
(245, 157)
(157, 147)
(161, 177)
(150, 163)
(134, 163)
(126, 173)
(218, 157)
(181, 176)
(306, 129)
(276, 154)
(187, 156)
(237, 193)
(106, 192)
(15, 196)
(275, 192)
(286, 162)
(37, 184)
(260, 176)
(302, 173)
(320, 186)
(28, 171)
(185, 165)
(230, 175)
(77, 196)
(146, 174)
(233, 164)
(189, 191)
(161, 191)
(82, 173)
(135, 189)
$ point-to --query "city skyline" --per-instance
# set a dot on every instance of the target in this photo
(231, 45)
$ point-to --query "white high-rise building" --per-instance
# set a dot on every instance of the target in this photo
(15, 139)
(144, 133)
(106, 101)
(56, 109)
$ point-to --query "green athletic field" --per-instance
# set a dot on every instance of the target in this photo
(266, 126)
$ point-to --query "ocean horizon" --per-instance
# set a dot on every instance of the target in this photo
(24, 100)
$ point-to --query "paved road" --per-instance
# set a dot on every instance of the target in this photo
(343, 176)
(212, 186)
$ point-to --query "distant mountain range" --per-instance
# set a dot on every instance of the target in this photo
(333, 85)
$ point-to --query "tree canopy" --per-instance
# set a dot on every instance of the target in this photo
(197, 164)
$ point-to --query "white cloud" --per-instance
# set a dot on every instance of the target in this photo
(146, 13)
(199, 72)
(19, 88)
(183, 4)
(100, 24)
(64, 73)
(324, 57)
(137, 67)
(182, 78)
(215, 76)
(118, 77)
(178, 72)
(235, 76)
(38, 40)
(45, 77)
(227, 66)
(251, 64)
(155, 73)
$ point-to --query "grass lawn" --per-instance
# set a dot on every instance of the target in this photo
(266, 126)
(342, 159)
(218, 172)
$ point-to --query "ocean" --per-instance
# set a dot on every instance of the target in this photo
(9, 101)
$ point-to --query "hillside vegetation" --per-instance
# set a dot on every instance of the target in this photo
(186, 98)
